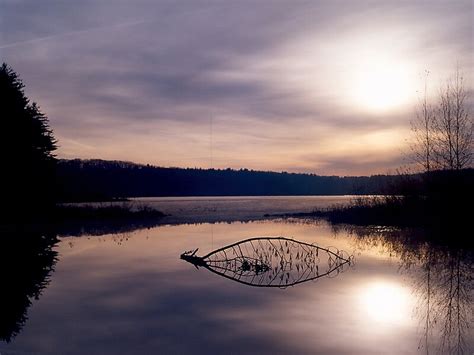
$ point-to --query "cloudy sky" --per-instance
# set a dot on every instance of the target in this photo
(327, 87)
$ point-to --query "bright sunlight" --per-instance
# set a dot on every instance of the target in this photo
(382, 84)
(386, 302)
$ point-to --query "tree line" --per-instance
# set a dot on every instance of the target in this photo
(100, 179)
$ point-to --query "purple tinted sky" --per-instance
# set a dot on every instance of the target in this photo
(311, 86)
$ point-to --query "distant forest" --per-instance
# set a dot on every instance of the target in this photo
(90, 180)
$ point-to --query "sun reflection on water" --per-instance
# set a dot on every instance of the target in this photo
(386, 302)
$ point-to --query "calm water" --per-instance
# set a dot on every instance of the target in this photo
(236, 208)
(130, 293)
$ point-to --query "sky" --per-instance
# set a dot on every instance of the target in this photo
(325, 87)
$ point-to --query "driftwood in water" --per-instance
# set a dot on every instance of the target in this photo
(272, 261)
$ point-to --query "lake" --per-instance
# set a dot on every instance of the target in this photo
(131, 293)
(231, 208)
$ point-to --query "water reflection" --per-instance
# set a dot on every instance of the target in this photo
(272, 262)
(442, 281)
(27, 260)
(385, 302)
(129, 293)
(101, 227)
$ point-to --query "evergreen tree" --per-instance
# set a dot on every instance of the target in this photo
(27, 150)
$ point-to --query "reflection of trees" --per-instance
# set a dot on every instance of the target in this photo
(97, 227)
(444, 284)
(446, 295)
(272, 262)
(26, 261)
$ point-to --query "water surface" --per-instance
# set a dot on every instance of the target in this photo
(131, 293)
(233, 208)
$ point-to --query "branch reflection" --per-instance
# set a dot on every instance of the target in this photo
(272, 262)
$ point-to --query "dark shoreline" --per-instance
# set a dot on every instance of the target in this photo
(445, 221)
(81, 219)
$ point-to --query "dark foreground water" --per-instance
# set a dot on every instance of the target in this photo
(130, 293)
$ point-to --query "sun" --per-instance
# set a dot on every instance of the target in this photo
(383, 84)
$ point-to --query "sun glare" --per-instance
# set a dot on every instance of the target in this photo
(382, 84)
(386, 302)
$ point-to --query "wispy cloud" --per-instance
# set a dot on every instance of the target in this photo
(140, 81)
(69, 34)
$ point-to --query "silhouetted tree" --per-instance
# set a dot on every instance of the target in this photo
(453, 126)
(443, 131)
(422, 128)
(27, 146)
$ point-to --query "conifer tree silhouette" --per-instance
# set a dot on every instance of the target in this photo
(27, 148)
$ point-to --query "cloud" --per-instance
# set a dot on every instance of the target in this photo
(274, 75)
